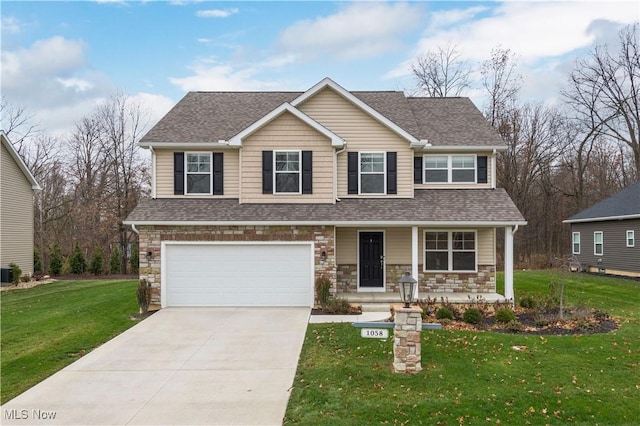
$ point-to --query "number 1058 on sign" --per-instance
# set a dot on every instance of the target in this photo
(374, 333)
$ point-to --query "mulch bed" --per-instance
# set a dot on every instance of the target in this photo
(575, 322)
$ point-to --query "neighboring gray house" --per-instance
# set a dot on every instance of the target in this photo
(16, 209)
(605, 236)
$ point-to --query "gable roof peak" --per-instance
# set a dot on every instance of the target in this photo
(19, 161)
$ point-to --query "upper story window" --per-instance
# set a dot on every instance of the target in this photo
(198, 173)
(372, 173)
(598, 243)
(449, 169)
(450, 251)
(287, 172)
(631, 238)
(575, 243)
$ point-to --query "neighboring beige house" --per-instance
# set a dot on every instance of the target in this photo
(16, 209)
(257, 194)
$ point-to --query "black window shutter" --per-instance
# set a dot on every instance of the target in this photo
(178, 173)
(482, 169)
(392, 173)
(218, 173)
(417, 170)
(352, 173)
(307, 172)
(267, 172)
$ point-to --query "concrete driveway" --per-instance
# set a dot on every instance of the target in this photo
(195, 366)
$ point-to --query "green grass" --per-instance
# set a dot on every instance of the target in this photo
(477, 377)
(45, 328)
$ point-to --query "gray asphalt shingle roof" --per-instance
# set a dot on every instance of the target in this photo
(442, 205)
(623, 203)
(213, 116)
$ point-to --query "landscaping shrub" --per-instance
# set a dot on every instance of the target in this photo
(336, 306)
(96, 265)
(37, 261)
(514, 325)
(17, 272)
(143, 294)
(505, 315)
(134, 261)
(77, 262)
(444, 313)
(25, 278)
(528, 302)
(323, 289)
(472, 316)
(114, 261)
(55, 263)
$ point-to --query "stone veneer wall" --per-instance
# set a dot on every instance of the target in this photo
(484, 281)
(151, 238)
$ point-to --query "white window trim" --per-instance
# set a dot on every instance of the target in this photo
(630, 236)
(573, 243)
(595, 244)
(275, 172)
(449, 169)
(384, 172)
(449, 250)
(187, 173)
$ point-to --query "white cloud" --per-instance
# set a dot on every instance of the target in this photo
(359, 30)
(10, 25)
(210, 75)
(217, 13)
(543, 35)
(78, 84)
(156, 105)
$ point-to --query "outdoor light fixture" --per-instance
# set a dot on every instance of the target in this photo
(149, 255)
(323, 256)
(407, 287)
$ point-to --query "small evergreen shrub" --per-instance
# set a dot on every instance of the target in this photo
(444, 313)
(528, 302)
(323, 289)
(77, 262)
(25, 278)
(514, 326)
(472, 316)
(17, 272)
(114, 261)
(55, 263)
(505, 315)
(96, 265)
(134, 260)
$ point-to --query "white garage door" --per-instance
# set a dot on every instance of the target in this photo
(238, 274)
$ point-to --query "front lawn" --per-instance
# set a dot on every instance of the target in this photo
(45, 328)
(479, 377)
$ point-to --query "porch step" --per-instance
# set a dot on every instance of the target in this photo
(376, 307)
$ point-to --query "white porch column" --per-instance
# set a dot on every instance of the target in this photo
(414, 257)
(508, 262)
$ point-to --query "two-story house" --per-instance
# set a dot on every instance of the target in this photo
(256, 194)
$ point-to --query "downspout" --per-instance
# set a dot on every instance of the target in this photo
(133, 226)
(335, 171)
(153, 172)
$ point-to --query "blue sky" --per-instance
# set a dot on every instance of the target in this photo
(59, 59)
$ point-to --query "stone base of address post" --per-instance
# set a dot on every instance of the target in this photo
(406, 340)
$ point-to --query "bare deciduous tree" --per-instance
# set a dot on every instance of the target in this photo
(442, 72)
(502, 83)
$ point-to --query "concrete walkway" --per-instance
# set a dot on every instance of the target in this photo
(190, 366)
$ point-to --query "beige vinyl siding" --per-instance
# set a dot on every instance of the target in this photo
(287, 132)
(398, 245)
(16, 215)
(164, 174)
(361, 133)
(458, 185)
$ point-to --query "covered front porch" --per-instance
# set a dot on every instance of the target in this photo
(370, 262)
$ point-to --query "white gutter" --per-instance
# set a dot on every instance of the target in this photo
(335, 170)
(133, 226)
(153, 172)
(221, 144)
(464, 148)
(394, 223)
(602, 219)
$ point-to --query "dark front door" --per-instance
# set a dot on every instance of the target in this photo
(371, 260)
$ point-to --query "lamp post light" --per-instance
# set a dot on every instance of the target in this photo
(407, 288)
